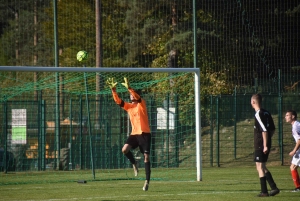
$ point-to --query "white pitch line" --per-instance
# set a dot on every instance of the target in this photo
(158, 195)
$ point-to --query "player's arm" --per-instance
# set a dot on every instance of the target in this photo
(297, 146)
(117, 99)
(112, 85)
(262, 120)
(265, 140)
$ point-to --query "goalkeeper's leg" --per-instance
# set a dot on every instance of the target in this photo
(126, 151)
(147, 171)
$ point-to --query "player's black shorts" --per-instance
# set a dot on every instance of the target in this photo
(142, 141)
(260, 156)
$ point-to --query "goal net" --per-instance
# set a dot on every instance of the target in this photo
(64, 123)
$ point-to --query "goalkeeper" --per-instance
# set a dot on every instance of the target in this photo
(140, 135)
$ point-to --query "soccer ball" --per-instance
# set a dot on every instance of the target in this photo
(82, 55)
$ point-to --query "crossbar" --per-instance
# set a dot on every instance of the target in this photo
(94, 69)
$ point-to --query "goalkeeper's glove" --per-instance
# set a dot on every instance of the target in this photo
(110, 82)
(126, 83)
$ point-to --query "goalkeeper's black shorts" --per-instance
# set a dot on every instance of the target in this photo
(142, 141)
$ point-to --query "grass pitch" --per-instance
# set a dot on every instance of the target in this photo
(218, 184)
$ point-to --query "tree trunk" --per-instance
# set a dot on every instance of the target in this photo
(35, 56)
(98, 58)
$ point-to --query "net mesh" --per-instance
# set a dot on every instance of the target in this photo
(16, 83)
(93, 128)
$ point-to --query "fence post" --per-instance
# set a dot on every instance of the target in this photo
(177, 133)
(153, 112)
(40, 137)
(168, 131)
(211, 132)
(80, 133)
(5, 136)
(70, 137)
(218, 132)
(280, 129)
(107, 146)
(42, 134)
(235, 119)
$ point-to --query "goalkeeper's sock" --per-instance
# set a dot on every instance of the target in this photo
(148, 171)
(130, 157)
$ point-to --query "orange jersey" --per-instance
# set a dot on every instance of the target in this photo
(137, 112)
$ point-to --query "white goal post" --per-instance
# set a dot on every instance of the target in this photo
(196, 72)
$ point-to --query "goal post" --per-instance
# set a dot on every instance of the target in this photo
(171, 72)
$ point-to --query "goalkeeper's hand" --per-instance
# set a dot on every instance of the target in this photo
(110, 82)
(126, 83)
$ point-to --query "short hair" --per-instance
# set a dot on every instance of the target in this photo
(138, 91)
(257, 98)
(293, 112)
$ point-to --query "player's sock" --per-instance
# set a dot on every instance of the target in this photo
(295, 177)
(263, 185)
(270, 180)
(148, 171)
(130, 157)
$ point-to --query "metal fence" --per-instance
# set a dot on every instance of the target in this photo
(41, 147)
(227, 134)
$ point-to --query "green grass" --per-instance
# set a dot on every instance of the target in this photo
(224, 184)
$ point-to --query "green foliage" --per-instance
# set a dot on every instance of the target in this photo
(215, 83)
(3, 54)
(74, 18)
(76, 31)
(151, 30)
(234, 45)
